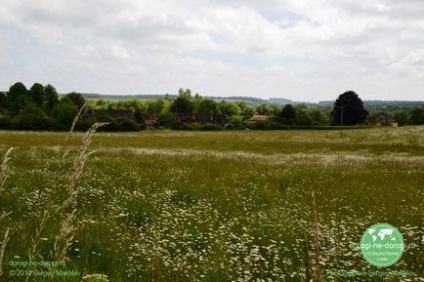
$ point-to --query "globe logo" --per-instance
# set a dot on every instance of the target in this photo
(382, 245)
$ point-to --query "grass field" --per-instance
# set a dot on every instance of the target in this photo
(208, 206)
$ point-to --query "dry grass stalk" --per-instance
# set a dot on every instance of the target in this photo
(66, 233)
(63, 151)
(34, 254)
(3, 247)
(4, 215)
(79, 162)
(67, 229)
(4, 168)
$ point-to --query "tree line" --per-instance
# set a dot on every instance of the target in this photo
(42, 108)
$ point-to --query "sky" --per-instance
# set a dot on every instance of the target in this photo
(304, 50)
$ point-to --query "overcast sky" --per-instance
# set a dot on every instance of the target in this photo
(304, 50)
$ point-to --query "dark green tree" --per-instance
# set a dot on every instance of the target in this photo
(229, 109)
(64, 112)
(275, 109)
(318, 118)
(138, 113)
(36, 93)
(351, 107)
(248, 111)
(196, 101)
(207, 106)
(76, 99)
(32, 110)
(303, 118)
(155, 107)
(127, 124)
(51, 98)
(264, 109)
(402, 118)
(183, 103)
(17, 97)
(102, 115)
(165, 120)
(32, 117)
(288, 115)
(2, 101)
(417, 116)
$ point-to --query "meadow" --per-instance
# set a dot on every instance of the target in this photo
(208, 206)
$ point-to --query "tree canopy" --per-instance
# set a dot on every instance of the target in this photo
(39, 108)
(183, 103)
(349, 109)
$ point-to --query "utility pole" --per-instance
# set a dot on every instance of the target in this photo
(341, 123)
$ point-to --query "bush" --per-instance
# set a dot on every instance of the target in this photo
(211, 126)
(259, 125)
(183, 126)
(167, 120)
(129, 125)
(35, 123)
(7, 123)
(113, 126)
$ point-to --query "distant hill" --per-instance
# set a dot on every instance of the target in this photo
(399, 103)
(384, 103)
(255, 101)
(251, 100)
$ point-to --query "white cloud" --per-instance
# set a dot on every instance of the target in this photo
(304, 50)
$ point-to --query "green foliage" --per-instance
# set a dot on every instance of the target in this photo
(402, 118)
(183, 103)
(64, 112)
(32, 110)
(303, 115)
(318, 118)
(264, 109)
(165, 120)
(50, 99)
(155, 107)
(2, 102)
(248, 111)
(139, 116)
(16, 99)
(127, 124)
(197, 126)
(231, 109)
(236, 120)
(76, 99)
(7, 122)
(417, 116)
(303, 118)
(34, 123)
(351, 107)
(288, 115)
(211, 127)
(102, 115)
(36, 94)
(207, 106)
(101, 104)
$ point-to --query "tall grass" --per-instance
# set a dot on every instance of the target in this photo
(4, 214)
(4, 168)
(184, 206)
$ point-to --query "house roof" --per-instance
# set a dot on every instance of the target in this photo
(259, 118)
